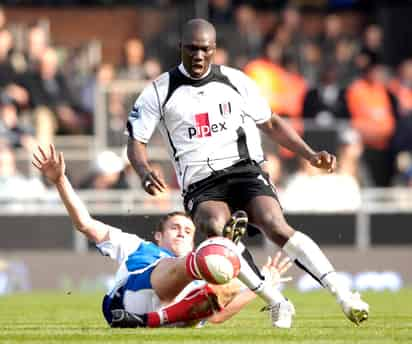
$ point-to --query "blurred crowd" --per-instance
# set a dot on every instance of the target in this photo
(329, 73)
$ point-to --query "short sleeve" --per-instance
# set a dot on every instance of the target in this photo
(145, 115)
(120, 244)
(258, 106)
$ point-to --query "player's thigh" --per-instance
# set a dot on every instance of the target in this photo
(169, 277)
(265, 212)
(139, 296)
(211, 216)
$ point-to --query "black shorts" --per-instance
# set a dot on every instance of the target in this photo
(235, 185)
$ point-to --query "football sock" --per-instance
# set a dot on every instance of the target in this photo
(198, 304)
(255, 282)
(307, 255)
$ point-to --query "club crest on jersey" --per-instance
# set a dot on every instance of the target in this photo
(225, 109)
(135, 113)
(203, 127)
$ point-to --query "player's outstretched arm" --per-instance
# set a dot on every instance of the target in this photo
(284, 134)
(273, 270)
(53, 167)
(152, 183)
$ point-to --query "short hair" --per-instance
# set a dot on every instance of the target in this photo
(161, 225)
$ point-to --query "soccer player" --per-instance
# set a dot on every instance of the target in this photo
(210, 117)
(156, 280)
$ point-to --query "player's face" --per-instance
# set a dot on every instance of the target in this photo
(197, 52)
(178, 235)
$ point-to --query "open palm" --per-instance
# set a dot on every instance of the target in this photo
(52, 166)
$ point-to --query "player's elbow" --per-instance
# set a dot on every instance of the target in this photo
(83, 225)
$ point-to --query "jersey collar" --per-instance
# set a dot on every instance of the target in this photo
(186, 74)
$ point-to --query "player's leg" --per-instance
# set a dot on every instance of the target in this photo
(171, 276)
(211, 217)
(265, 212)
(146, 291)
(196, 303)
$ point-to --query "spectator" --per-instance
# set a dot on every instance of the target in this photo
(344, 61)
(10, 83)
(311, 62)
(373, 115)
(408, 176)
(324, 101)
(333, 32)
(349, 154)
(268, 73)
(372, 39)
(132, 68)
(220, 12)
(102, 77)
(11, 130)
(313, 190)
(402, 89)
(291, 20)
(247, 41)
(152, 68)
(13, 185)
(37, 44)
(106, 173)
(3, 18)
(221, 56)
(56, 109)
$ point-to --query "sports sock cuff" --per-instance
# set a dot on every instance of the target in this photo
(154, 320)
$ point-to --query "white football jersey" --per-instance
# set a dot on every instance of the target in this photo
(208, 123)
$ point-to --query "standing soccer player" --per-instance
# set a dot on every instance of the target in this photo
(210, 117)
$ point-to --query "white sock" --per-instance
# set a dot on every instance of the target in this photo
(264, 290)
(302, 248)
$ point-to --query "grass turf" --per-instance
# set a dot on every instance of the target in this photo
(76, 318)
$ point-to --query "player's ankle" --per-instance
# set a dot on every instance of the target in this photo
(333, 283)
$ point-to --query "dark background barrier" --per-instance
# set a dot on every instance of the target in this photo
(391, 229)
(326, 229)
(40, 232)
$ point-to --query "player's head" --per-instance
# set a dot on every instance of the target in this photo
(176, 232)
(198, 45)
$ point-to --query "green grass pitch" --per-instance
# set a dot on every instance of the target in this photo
(76, 318)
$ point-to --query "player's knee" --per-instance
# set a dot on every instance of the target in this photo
(275, 227)
(212, 225)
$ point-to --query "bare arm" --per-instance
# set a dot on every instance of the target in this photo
(152, 183)
(53, 167)
(281, 132)
(273, 270)
(241, 299)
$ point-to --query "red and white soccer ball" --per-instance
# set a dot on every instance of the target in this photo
(217, 260)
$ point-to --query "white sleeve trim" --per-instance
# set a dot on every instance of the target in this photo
(120, 244)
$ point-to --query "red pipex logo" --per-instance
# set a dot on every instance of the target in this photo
(203, 127)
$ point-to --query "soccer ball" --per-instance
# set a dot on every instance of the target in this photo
(217, 260)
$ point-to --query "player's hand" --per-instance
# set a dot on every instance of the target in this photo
(275, 268)
(52, 166)
(153, 183)
(324, 160)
